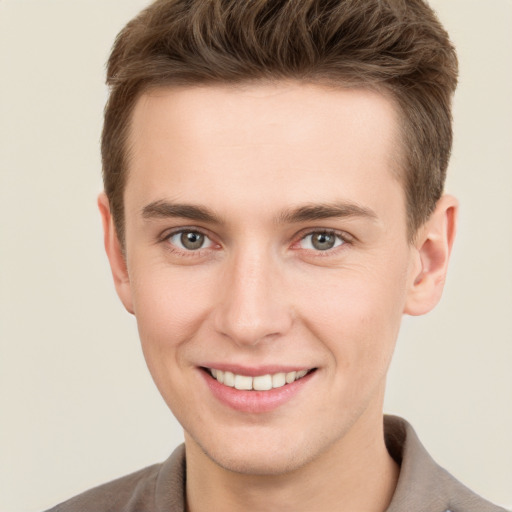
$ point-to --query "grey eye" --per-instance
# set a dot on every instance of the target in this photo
(190, 240)
(321, 241)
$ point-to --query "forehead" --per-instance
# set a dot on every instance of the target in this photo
(270, 143)
(214, 111)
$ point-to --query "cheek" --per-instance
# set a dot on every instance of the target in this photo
(170, 304)
(357, 316)
(170, 307)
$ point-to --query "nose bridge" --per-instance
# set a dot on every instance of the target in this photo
(252, 304)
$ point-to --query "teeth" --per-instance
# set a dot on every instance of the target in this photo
(229, 379)
(262, 383)
(243, 382)
(290, 377)
(278, 380)
(259, 383)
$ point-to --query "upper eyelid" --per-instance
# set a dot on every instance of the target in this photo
(345, 236)
(167, 233)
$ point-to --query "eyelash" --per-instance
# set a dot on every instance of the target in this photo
(343, 237)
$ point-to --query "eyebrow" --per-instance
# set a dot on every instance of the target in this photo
(164, 209)
(326, 211)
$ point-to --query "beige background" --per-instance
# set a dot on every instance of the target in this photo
(77, 405)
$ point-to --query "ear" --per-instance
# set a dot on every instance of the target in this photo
(115, 254)
(433, 246)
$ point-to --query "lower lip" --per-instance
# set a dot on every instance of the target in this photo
(255, 401)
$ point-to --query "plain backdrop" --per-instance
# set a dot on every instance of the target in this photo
(77, 405)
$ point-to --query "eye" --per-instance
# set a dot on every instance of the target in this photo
(321, 241)
(190, 240)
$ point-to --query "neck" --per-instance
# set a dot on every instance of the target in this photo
(355, 473)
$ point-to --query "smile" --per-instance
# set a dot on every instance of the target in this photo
(256, 383)
(253, 390)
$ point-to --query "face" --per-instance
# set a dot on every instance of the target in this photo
(267, 264)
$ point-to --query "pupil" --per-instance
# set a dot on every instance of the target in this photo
(192, 240)
(323, 241)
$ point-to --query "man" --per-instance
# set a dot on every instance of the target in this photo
(273, 205)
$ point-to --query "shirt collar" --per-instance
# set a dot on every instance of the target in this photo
(423, 486)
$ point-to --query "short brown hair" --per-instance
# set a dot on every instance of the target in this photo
(395, 46)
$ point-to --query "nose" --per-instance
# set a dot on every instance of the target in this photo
(251, 305)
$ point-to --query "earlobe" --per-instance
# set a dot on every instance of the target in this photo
(115, 254)
(433, 247)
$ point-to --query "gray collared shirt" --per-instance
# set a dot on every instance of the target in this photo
(423, 486)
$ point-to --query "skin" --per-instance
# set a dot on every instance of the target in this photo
(259, 293)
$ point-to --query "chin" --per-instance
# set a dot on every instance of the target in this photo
(270, 462)
(261, 453)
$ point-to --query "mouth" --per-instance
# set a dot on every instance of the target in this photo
(257, 390)
(264, 382)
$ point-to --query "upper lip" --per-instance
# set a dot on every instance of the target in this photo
(254, 371)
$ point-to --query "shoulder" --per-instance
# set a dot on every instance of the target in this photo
(423, 484)
(151, 489)
(120, 494)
